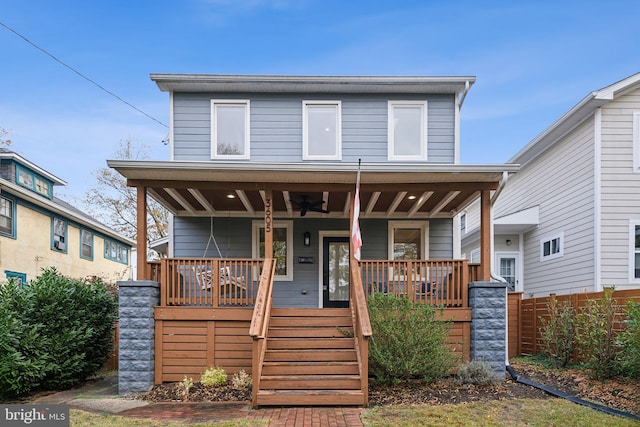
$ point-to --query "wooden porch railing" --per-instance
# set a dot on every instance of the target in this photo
(260, 324)
(361, 325)
(474, 272)
(213, 282)
(436, 282)
(153, 270)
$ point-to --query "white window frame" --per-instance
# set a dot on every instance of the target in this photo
(636, 141)
(305, 130)
(214, 126)
(474, 256)
(390, 130)
(463, 223)
(255, 245)
(550, 238)
(424, 231)
(632, 250)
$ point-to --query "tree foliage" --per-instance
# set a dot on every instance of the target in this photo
(4, 137)
(113, 203)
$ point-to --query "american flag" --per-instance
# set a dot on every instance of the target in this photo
(356, 238)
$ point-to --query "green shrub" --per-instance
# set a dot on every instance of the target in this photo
(476, 372)
(214, 377)
(558, 332)
(629, 342)
(407, 340)
(595, 335)
(56, 332)
(241, 380)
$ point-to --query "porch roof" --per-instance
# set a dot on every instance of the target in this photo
(191, 188)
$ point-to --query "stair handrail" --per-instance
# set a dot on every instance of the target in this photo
(362, 326)
(260, 323)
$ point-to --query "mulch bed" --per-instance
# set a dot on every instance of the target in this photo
(618, 393)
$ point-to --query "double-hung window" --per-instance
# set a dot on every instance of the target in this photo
(230, 129)
(321, 130)
(551, 247)
(7, 216)
(407, 130)
(282, 247)
(634, 264)
(86, 244)
(33, 182)
(59, 238)
(116, 251)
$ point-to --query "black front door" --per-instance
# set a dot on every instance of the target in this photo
(335, 276)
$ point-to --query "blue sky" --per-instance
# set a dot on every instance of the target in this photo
(533, 60)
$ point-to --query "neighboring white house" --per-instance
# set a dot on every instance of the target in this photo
(569, 221)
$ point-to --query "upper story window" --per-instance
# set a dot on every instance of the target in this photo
(59, 239)
(116, 251)
(282, 247)
(636, 141)
(86, 244)
(28, 179)
(7, 217)
(229, 129)
(463, 224)
(322, 133)
(551, 247)
(407, 128)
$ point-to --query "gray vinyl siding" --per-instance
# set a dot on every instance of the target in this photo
(276, 126)
(620, 192)
(233, 237)
(561, 183)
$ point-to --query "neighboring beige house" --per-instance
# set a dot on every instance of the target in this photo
(39, 230)
(569, 221)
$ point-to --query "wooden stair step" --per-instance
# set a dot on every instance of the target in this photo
(310, 368)
(310, 312)
(310, 355)
(311, 397)
(303, 321)
(310, 382)
(310, 343)
(310, 332)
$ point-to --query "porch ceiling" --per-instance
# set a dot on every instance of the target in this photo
(238, 189)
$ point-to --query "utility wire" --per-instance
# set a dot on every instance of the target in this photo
(81, 75)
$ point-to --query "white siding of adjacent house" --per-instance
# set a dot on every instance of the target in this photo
(620, 189)
(561, 182)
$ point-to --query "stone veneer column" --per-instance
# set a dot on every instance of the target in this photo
(488, 302)
(136, 341)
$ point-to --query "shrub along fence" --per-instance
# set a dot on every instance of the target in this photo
(525, 316)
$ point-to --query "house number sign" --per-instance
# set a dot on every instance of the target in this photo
(267, 215)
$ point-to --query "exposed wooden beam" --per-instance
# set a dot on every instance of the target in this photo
(372, 202)
(421, 201)
(287, 202)
(444, 202)
(245, 201)
(163, 201)
(181, 200)
(396, 202)
(347, 205)
(325, 200)
(202, 200)
(468, 201)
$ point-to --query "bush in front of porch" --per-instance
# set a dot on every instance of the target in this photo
(407, 340)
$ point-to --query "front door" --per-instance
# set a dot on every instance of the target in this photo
(335, 276)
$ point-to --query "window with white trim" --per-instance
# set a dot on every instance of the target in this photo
(230, 129)
(408, 240)
(321, 130)
(636, 141)
(634, 269)
(551, 247)
(86, 244)
(407, 130)
(59, 234)
(7, 217)
(463, 224)
(282, 246)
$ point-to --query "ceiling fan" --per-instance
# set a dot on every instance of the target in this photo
(305, 205)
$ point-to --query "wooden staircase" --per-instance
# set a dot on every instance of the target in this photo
(310, 359)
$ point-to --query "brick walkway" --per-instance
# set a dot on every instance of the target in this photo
(219, 411)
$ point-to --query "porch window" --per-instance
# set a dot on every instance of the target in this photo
(7, 216)
(635, 251)
(230, 129)
(551, 247)
(321, 130)
(407, 130)
(86, 244)
(408, 240)
(282, 247)
(59, 239)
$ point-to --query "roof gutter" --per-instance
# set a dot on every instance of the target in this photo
(503, 182)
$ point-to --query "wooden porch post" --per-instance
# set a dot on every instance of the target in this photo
(268, 224)
(141, 234)
(485, 236)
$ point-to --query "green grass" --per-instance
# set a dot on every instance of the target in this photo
(517, 412)
(89, 419)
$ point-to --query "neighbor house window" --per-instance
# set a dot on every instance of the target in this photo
(635, 251)
(407, 130)
(33, 182)
(321, 130)
(474, 256)
(463, 224)
(229, 129)
(116, 251)
(282, 247)
(408, 240)
(86, 244)
(636, 141)
(20, 278)
(551, 247)
(7, 217)
(59, 238)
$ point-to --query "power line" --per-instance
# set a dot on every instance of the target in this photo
(81, 75)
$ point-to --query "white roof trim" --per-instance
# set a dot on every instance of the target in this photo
(18, 158)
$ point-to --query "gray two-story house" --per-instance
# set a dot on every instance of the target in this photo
(261, 185)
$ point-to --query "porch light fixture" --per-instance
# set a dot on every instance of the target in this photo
(307, 238)
(412, 197)
(231, 196)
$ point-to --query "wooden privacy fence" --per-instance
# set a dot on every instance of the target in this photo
(526, 315)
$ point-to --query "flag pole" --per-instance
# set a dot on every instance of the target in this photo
(356, 237)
